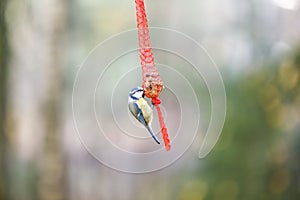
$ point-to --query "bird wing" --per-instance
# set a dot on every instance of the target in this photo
(143, 120)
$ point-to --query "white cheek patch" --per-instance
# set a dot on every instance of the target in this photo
(138, 94)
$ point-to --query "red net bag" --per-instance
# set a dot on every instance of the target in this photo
(152, 83)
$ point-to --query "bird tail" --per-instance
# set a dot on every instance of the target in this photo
(151, 132)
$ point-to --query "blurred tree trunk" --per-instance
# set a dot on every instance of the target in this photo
(51, 174)
(3, 99)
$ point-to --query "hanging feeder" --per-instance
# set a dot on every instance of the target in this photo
(151, 81)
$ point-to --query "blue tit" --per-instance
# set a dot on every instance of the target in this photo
(140, 109)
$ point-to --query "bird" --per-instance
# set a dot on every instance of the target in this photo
(141, 110)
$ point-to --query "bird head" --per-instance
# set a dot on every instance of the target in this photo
(136, 93)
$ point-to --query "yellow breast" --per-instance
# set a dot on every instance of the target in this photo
(146, 110)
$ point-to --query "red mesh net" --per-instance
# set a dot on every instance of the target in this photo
(152, 83)
(163, 127)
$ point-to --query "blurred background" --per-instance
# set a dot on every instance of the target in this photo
(256, 45)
